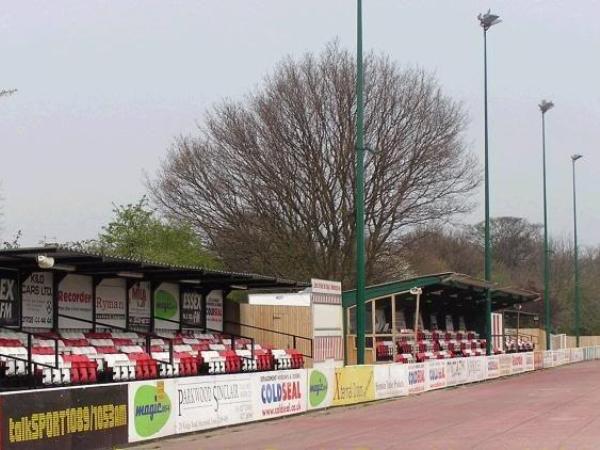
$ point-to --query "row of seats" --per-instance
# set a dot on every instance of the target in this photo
(440, 345)
(92, 357)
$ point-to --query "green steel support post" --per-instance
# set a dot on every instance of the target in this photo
(546, 250)
(360, 195)
(576, 258)
(488, 250)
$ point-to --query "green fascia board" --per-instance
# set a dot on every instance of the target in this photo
(383, 290)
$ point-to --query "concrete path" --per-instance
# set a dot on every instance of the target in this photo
(550, 409)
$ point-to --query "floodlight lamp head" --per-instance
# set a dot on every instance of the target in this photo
(576, 156)
(45, 262)
(545, 106)
(488, 20)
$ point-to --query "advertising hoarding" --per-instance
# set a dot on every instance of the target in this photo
(166, 306)
(139, 306)
(75, 299)
(353, 384)
(391, 380)
(38, 307)
(93, 417)
(416, 378)
(10, 298)
(152, 409)
(213, 401)
(321, 386)
(435, 374)
(191, 307)
(110, 302)
(279, 393)
(493, 366)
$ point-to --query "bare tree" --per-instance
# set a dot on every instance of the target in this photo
(7, 92)
(269, 182)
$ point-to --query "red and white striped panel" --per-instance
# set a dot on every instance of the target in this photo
(327, 347)
(497, 330)
(326, 299)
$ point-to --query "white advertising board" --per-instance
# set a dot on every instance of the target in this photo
(391, 380)
(37, 300)
(416, 378)
(456, 371)
(213, 401)
(435, 374)
(517, 363)
(166, 306)
(321, 387)
(493, 366)
(139, 306)
(505, 365)
(75, 299)
(576, 355)
(110, 302)
(152, 409)
(329, 287)
(548, 359)
(529, 362)
(559, 357)
(214, 310)
(279, 393)
(476, 369)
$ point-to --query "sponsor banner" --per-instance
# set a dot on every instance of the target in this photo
(139, 306)
(91, 418)
(214, 310)
(321, 384)
(391, 380)
(191, 307)
(548, 359)
(505, 366)
(416, 378)
(110, 302)
(456, 371)
(576, 355)
(328, 287)
(517, 363)
(75, 299)
(152, 409)
(166, 306)
(476, 369)
(353, 384)
(529, 362)
(37, 300)
(10, 298)
(538, 360)
(435, 374)
(493, 366)
(559, 357)
(279, 393)
(213, 401)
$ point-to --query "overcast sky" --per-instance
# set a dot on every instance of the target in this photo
(105, 86)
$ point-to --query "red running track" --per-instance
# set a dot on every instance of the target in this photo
(550, 409)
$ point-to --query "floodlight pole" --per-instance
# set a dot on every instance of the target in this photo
(359, 199)
(417, 293)
(544, 108)
(574, 158)
(486, 21)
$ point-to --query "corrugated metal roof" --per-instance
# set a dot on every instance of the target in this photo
(93, 262)
(457, 280)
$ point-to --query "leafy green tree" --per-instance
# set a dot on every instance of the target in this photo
(137, 232)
